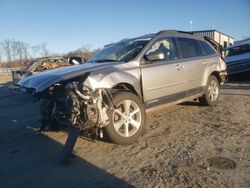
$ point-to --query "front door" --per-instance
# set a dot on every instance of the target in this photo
(163, 80)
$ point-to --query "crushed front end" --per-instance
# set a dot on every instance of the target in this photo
(72, 103)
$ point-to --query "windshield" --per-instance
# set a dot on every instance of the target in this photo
(124, 50)
(237, 50)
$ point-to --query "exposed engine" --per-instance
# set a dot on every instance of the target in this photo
(73, 103)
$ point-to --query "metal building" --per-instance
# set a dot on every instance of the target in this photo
(221, 38)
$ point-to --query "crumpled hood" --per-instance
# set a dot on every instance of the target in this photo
(43, 80)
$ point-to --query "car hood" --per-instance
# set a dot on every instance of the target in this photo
(43, 80)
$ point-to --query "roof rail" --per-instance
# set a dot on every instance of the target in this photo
(188, 32)
(165, 32)
(173, 32)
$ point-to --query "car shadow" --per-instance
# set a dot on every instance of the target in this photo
(190, 103)
(32, 160)
(29, 159)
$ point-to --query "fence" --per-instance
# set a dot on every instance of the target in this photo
(9, 70)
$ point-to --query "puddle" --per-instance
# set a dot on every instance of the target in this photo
(221, 163)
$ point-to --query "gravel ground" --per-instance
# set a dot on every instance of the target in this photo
(186, 145)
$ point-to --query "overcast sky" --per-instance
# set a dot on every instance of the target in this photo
(69, 24)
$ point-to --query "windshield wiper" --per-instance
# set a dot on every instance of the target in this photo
(104, 60)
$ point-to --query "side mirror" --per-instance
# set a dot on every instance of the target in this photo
(154, 56)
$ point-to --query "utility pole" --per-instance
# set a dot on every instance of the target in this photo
(190, 25)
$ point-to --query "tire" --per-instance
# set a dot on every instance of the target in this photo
(212, 92)
(127, 121)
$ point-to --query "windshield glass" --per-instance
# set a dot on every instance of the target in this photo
(124, 50)
(237, 50)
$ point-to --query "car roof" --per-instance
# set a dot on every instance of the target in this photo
(175, 33)
(170, 33)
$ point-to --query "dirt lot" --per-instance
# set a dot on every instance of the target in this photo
(186, 145)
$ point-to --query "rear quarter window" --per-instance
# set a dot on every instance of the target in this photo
(189, 48)
(207, 49)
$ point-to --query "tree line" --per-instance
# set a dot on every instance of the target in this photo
(17, 51)
(14, 53)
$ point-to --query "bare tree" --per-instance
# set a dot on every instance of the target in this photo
(6, 47)
(39, 50)
(44, 50)
(1, 55)
(84, 52)
(19, 50)
(86, 48)
(35, 50)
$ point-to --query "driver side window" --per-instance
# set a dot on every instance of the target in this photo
(165, 46)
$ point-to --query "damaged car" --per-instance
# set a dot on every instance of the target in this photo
(43, 64)
(110, 94)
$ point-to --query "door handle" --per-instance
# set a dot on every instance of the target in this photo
(179, 66)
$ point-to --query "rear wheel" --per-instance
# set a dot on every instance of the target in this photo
(127, 120)
(212, 91)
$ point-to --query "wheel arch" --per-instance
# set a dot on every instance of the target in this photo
(124, 86)
(217, 75)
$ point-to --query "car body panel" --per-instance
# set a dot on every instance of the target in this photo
(114, 74)
(161, 79)
(43, 80)
(193, 69)
(102, 75)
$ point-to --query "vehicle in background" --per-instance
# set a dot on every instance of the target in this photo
(237, 57)
(43, 64)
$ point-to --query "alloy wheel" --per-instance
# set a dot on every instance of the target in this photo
(127, 118)
(213, 90)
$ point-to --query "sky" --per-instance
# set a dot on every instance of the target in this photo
(66, 25)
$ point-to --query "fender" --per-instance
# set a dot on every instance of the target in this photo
(97, 80)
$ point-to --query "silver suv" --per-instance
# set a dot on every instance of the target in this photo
(111, 92)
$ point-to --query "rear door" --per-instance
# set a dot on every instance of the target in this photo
(195, 64)
(163, 81)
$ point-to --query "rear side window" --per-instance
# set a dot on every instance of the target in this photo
(207, 49)
(189, 48)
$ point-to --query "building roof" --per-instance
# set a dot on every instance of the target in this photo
(213, 30)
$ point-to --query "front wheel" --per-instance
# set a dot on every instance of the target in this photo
(127, 121)
(212, 91)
